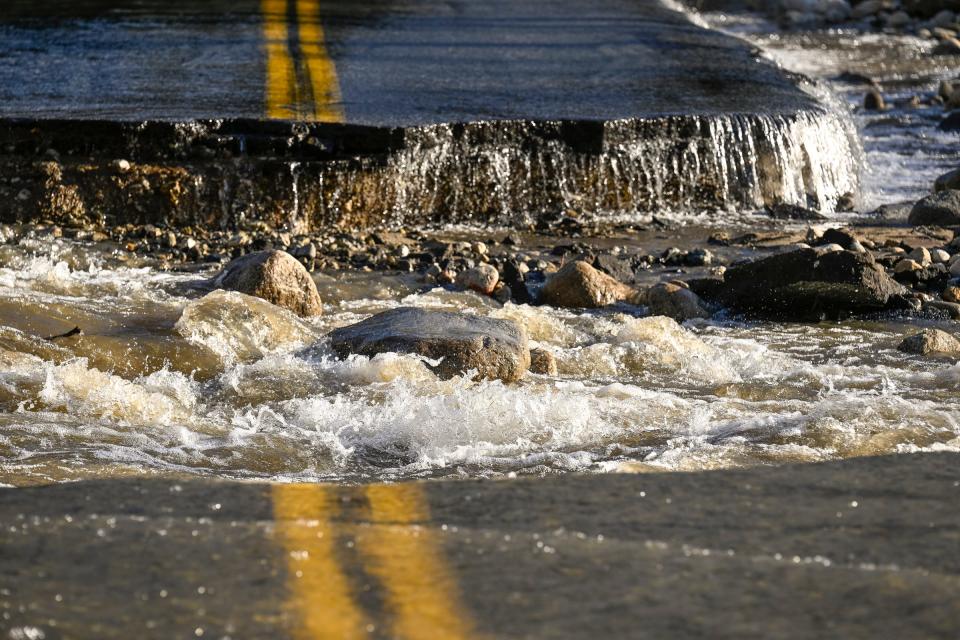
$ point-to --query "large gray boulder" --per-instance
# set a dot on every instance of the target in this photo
(578, 285)
(810, 285)
(942, 209)
(275, 276)
(496, 349)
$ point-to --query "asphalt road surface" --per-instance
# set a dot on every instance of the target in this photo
(374, 62)
(865, 548)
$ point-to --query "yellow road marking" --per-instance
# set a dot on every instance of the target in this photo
(327, 103)
(319, 589)
(281, 98)
(286, 98)
(421, 594)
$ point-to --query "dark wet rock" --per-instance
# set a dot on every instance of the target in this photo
(948, 46)
(867, 8)
(566, 249)
(929, 8)
(680, 303)
(945, 89)
(950, 309)
(874, 101)
(579, 285)
(931, 341)
(275, 276)
(941, 208)
(892, 213)
(944, 17)
(67, 334)
(706, 288)
(784, 211)
(514, 277)
(948, 181)
(951, 122)
(494, 348)
(897, 20)
(932, 277)
(308, 251)
(502, 293)
(482, 278)
(851, 77)
(843, 238)
(698, 258)
(672, 256)
(809, 285)
(543, 362)
(559, 224)
(615, 267)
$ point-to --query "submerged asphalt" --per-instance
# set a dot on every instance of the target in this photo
(864, 548)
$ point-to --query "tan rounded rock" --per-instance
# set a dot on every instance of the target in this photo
(274, 276)
(931, 341)
(907, 265)
(578, 285)
(482, 278)
(669, 299)
(951, 294)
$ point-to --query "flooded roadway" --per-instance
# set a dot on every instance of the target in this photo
(859, 549)
(186, 419)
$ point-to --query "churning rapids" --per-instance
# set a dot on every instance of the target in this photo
(161, 381)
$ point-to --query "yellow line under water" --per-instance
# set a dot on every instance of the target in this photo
(320, 596)
(404, 555)
(325, 87)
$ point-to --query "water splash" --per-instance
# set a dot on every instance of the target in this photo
(515, 171)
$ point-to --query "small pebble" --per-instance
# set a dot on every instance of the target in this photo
(921, 255)
(906, 265)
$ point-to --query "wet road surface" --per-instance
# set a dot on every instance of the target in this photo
(375, 62)
(863, 548)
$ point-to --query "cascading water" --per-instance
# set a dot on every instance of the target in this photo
(296, 222)
(498, 172)
(686, 164)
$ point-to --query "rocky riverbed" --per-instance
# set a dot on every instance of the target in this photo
(119, 361)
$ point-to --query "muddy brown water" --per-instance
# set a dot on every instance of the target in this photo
(164, 379)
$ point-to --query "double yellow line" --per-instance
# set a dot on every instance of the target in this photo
(396, 547)
(302, 80)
